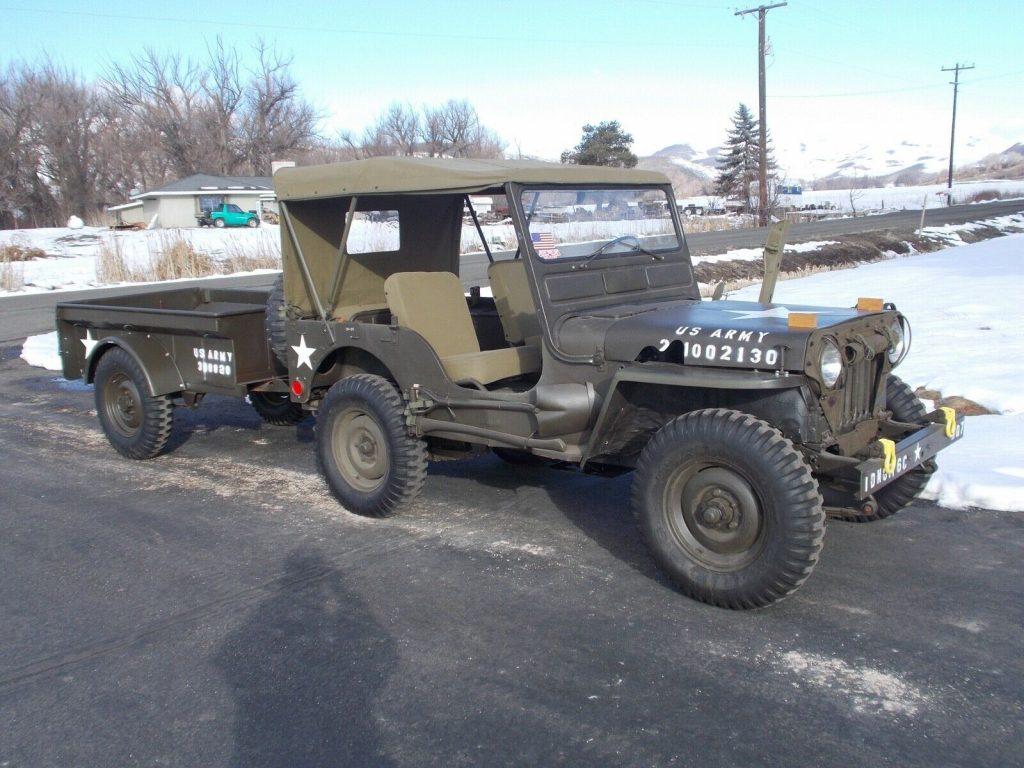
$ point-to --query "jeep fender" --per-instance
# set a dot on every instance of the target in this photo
(678, 376)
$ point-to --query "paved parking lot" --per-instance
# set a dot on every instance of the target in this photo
(215, 607)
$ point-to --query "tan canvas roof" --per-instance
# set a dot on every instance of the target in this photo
(381, 175)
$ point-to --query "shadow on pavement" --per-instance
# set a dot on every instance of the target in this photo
(305, 670)
(598, 506)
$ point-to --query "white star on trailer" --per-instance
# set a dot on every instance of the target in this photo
(89, 342)
(917, 453)
(780, 312)
(304, 353)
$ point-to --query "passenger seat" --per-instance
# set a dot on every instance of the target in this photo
(514, 302)
(433, 305)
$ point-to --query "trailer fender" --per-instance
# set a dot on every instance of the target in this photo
(155, 360)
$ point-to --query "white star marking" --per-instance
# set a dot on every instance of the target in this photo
(917, 453)
(89, 342)
(304, 353)
(779, 312)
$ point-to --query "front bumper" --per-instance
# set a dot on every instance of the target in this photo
(912, 451)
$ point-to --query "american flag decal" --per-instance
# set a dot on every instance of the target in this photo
(542, 240)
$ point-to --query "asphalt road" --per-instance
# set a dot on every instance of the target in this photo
(214, 607)
(33, 313)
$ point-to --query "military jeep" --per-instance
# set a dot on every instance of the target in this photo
(744, 423)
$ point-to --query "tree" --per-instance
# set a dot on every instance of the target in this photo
(603, 144)
(738, 163)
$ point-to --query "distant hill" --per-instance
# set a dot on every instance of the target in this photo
(691, 172)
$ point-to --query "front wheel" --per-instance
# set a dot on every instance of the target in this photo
(728, 508)
(371, 463)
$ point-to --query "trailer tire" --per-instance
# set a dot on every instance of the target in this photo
(274, 322)
(901, 492)
(370, 462)
(728, 508)
(136, 423)
(277, 408)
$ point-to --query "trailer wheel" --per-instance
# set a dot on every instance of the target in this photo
(274, 322)
(901, 492)
(371, 464)
(728, 508)
(277, 408)
(136, 423)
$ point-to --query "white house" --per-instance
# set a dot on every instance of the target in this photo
(178, 203)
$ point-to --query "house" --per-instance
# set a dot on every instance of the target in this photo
(178, 203)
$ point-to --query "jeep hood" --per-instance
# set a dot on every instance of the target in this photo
(737, 334)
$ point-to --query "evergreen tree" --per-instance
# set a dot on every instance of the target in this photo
(738, 162)
(603, 144)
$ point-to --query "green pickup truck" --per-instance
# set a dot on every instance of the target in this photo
(228, 215)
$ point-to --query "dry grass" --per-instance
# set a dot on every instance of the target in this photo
(12, 276)
(10, 252)
(172, 257)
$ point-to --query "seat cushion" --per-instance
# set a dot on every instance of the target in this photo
(493, 365)
(433, 304)
(513, 300)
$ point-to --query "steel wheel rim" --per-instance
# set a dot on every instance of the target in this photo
(122, 404)
(715, 516)
(360, 449)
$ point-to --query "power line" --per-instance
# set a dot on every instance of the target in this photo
(762, 191)
(358, 31)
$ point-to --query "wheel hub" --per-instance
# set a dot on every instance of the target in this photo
(360, 449)
(715, 516)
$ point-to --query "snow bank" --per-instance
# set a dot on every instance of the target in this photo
(42, 351)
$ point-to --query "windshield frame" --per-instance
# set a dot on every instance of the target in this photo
(518, 191)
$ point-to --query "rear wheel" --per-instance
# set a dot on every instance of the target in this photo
(371, 464)
(728, 508)
(252, 223)
(136, 423)
(277, 408)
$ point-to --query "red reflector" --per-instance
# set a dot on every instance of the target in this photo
(297, 388)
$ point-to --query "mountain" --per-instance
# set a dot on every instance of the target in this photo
(905, 162)
(690, 171)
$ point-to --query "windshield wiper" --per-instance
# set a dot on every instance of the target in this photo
(637, 248)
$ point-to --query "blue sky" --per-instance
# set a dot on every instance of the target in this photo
(669, 71)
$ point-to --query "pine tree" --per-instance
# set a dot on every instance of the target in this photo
(603, 144)
(738, 162)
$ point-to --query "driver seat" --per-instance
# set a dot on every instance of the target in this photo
(433, 305)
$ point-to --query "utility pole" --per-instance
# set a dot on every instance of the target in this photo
(762, 116)
(956, 70)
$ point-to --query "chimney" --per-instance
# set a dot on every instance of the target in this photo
(276, 165)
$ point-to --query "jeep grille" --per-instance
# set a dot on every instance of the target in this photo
(858, 392)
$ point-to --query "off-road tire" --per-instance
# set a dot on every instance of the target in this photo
(136, 423)
(371, 407)
(277, 408)
(219, 223)
(252, 223)
(901, 492)
(274, 321)
(781, 524)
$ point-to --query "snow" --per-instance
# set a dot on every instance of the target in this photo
(756, 254)
(42, 351)
(876, 199)
(964, 308)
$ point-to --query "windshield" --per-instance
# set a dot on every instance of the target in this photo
(573, 223)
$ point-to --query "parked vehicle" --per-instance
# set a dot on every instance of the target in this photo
(228, 215)
(743, 423)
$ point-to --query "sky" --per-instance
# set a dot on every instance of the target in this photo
(841, 73)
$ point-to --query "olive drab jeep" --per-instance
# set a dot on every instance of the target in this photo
(744, 423)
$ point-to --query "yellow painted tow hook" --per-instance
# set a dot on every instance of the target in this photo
(888, 455)
(950, 415)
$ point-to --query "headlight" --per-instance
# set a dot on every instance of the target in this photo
(830, 363)
(900, 342)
